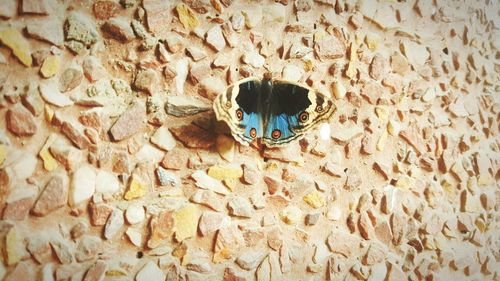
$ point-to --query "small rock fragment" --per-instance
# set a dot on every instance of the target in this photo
(20, 121)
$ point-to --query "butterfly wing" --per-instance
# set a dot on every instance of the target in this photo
(239, 106)
(294, 109)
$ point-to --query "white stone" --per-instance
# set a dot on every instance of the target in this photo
(24, 166)
(135, 236)
(334, 214)
(292, 73)
(163, 138)
(254, 59)
(150, 272)
(204, 181)
(106, 182)
(135, 214)
(181, 70)
(82, 185)
(51, 94)
(114, 223)
(338, 90)
(47, 272)
(149, 153)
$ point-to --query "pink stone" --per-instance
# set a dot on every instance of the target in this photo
(20, 121)
(75, 135)
(54, 196)
(129, 122)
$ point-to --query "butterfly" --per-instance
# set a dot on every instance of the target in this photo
(276, 111)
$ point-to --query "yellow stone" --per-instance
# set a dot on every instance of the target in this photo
(485, 179)
(372, 41)
(319, 35)
(13, 247)
(49, 162)
(222, 255)
(382, 140)
(405, 182)
(230, 183)
(3, 153)
(382, 113)
(393, 127)
(20, 47)
(186, 16)
(225, 147)
(186, 222)
(480, 224)
(308, 65)
(225, 172)
(136, 189)
(315, 199)
(48, 113)
(50, 66)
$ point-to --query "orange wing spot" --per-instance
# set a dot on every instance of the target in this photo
(276, 134)
(253, 133)
(239, 114)
(304, 116)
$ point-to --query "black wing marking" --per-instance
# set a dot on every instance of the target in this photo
(249, 96)
(289, 99)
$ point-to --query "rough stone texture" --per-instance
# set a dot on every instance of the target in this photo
(20, 121)
(128, 123)
(400, 183)
(54, 196)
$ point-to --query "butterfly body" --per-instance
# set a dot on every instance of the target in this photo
(275, 111)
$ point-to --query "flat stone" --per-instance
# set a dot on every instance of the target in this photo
(149, 272)
(199, 265)
(167, 178)
(204, 181)
(129, 123)
(104, 10)
(181, 106)
(187, 16)
(210, 87)
(88, 247)
(82, 184)
(329, 47)
(240, 207)
(74, 132)
(174, 42)
(135, 236)
(163, 139)
(353, 180)
(372, 92)
(54, 196)
(211, 222)
(135, 214)
(34, 7)
(146, 81)
(66, 154)
(50, 93)
(70, 78)
(49, 30)
(107, 182)
(193, 136)
(315, 199)
(207, 198)
(40, 249)
(215, 38)
(186, 222)
(227, 243)
(15, 41)
(263, 271)
(343, 243)
(50, 66)
(291, 72)
(158, 15)
(8, 8)
(181, 73)
(161, 226)
(175, 159)
(80, 28)
(412, 137)
(33, 102)
(136, 189)
(114, 224)
(14, 247)
(230, 275)
(96, 272)
(119, 28)
(93, 69)
(22, 272)
(250, 259)
(99, 213)
(20, 121)
(253, 59)
(416, 54)
(291, 214)
(196, 53)
(375, 254)
(19, 203)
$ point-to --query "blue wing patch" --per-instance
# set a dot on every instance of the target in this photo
(279, 128)
(252, 123)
